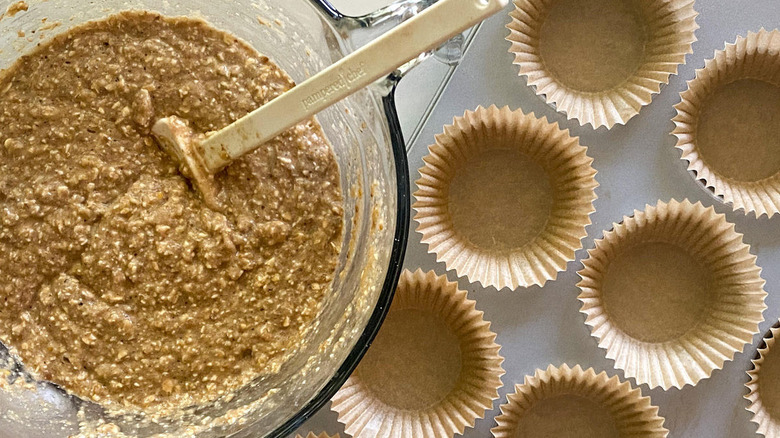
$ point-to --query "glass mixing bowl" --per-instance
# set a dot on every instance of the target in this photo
(302, 37)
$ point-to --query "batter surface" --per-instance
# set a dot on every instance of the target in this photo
(116, 281)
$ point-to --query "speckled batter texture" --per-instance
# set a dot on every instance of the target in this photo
(116, 281)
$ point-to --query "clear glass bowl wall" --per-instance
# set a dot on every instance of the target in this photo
(302, 42)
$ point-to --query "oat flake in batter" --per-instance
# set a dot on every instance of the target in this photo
(116, 281)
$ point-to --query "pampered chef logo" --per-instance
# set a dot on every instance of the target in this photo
(346, 77)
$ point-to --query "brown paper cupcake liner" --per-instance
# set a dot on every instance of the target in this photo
(523, 225)
(669, 33)
(564, 402)
(432, 371)
(764, 405)
(748, 187)
(321, 435)
(671, 293)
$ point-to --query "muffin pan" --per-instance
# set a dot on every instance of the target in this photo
(637, 165)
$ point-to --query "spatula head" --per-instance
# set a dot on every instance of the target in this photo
(175, 137)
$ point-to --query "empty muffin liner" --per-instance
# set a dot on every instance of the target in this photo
(633, 414)
(726, 321)
(394, 401)
(572, 186)
(768, 424)
(756, 56)
(321, 435)
(670, 28)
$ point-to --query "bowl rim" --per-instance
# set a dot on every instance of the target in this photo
(394, 269)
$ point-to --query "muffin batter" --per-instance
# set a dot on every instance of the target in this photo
(116, 281)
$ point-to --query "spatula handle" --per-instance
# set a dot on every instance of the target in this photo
(371, 62)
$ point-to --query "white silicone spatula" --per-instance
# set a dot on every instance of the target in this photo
(201, 158)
